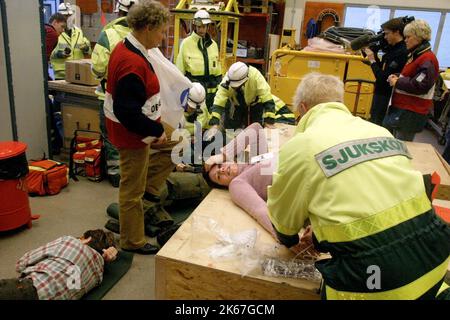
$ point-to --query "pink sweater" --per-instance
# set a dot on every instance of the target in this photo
(249, 189)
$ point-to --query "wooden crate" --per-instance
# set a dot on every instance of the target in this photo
(427, 160)
(185, 271)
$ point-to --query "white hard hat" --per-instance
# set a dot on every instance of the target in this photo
(197, 95)
(124, 5)
(201, 17)
(65, 8)
(237, 74)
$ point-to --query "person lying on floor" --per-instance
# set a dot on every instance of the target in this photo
(248, 182)
(64, 269)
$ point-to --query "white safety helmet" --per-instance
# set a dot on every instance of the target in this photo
(197, 95)
(201, 17)
(124, 5)
(237, 74)
(65, 8)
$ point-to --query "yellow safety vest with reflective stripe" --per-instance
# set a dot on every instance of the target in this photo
(76, 41)
(256, 90)
(282, 112)
(363, 198)
(191, 61)
(111, 35)
(334, 211)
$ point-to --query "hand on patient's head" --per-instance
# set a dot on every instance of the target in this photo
(216, 159)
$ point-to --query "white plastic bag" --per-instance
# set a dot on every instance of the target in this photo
(239, 248)
(174, 88)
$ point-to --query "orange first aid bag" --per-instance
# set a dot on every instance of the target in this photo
(47, 177)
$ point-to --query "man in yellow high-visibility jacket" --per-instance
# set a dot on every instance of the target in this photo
(72, 44)
(111, 35)
(367, 206)
(244, 95)
(198, 58)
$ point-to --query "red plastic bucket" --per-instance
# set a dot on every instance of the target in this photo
(14, 205)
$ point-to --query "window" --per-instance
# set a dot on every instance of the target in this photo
(443, 53)
(366, 17)
(432, 17)
(372, 17)
(50, 7)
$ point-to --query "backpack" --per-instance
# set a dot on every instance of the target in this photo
(87, 155)
(46, 177)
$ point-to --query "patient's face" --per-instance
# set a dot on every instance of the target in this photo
(223, 174)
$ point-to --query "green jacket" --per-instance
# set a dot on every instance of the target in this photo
(111, 35)
(198, 59)
(367, 205)
(282, 113)
(255, 91)
(76, 41)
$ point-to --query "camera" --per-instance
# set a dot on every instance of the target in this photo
(377, 42)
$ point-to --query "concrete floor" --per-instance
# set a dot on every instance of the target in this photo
(79, 207)
(431, 137)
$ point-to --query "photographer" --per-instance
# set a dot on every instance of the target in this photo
(393, 60)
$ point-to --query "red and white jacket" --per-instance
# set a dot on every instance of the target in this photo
(132, 101)
(414, 89)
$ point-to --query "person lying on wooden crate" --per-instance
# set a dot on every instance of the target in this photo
(248, 182)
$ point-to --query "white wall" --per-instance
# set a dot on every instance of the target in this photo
(25, 45)
(5, 114)
(293, 17)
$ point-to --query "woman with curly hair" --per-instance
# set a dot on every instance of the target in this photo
(133, 119)
(412, 98)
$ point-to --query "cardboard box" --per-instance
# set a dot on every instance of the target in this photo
(78, 117)
(79, 71)
(427, 160)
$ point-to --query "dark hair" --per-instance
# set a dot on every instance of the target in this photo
(211, 183)
(396, 24)
(100, 239)
(58, 17)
